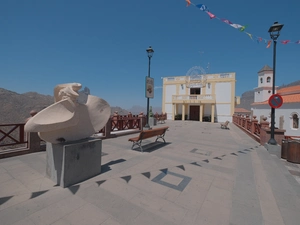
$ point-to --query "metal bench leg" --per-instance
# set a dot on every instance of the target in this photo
(138, 143)
(160, 136)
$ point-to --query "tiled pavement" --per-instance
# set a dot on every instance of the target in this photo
(202, 175)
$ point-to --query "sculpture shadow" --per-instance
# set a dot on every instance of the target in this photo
(106, 167)
(152, 146)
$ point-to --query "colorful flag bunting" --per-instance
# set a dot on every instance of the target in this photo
(241, 28)
(188, 2)
(226, 21)
(202, 7)
(236, 26)
(211, 16)
(259, 39)
(250, 35)
(285, 42)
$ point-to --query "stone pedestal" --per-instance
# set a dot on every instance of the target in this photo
(73, 162)
(152, 121)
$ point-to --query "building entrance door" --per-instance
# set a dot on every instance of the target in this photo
(194, 112)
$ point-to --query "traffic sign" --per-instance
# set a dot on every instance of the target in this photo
(275, 101)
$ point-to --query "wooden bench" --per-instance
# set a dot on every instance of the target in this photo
(225, 125)
(144, 134)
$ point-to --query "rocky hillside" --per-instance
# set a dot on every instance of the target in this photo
(15, 107)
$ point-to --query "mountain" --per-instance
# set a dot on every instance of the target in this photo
(137, 109)
(15, 107)
(247, 97)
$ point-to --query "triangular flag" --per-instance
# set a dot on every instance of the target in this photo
(243, 28)
(250, 35)
(285, 42)
(226, 21)
(269, 44)
(259, 39)
(237, 26)
(211, 15)
(202, 7)
(188, 2)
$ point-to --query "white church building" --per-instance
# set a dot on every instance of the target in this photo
(209, 97)
(287, 116)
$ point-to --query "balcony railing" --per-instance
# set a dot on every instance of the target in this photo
(193, 98)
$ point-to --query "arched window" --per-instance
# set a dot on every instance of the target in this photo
(268, 79)
(295, 121)
(261, 80)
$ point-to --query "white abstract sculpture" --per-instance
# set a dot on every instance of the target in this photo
(74, 115)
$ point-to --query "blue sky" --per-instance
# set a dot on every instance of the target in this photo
(101, 44)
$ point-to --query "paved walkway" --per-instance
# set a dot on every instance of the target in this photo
(203, 175)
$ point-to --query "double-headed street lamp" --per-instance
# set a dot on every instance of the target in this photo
(274, 34)
(150, 52)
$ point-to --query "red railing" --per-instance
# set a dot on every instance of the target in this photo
(251, 127)
(122, 122)
(12, 134)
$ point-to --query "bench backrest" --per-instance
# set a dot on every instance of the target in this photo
(152, 133)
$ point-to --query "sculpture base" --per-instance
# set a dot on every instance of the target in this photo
(73, 162)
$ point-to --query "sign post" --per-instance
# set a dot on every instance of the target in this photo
(275, 101)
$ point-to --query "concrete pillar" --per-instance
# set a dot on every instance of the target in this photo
(212, 113)
(183, 112)
(173, 111)
(201, 112)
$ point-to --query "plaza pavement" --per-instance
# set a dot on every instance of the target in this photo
(202, 175)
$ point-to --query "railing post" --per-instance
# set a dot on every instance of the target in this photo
(130, 121)
(247, 121)
(253, 122)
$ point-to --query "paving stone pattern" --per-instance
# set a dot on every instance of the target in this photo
(202, 175)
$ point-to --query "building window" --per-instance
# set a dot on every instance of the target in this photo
(195, 91)
(295, 121)
(258, 92)
(268, 79)
(261, 80)
(208, 85)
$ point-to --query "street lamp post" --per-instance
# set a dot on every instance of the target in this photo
(150, 52)
(274, 34)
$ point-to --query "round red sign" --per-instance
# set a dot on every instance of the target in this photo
(275, 101)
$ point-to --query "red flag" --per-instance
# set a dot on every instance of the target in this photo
(211, 15)
(285, 42)
(269, 44)
(188, 2)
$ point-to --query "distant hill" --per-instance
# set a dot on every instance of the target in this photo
(15, 107)
(247, 97)
(138, 109)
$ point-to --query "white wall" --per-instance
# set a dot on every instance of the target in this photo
(170, 90)
(182, 88)
(223, 92)
(208, 89)
(286, 112)
(223, 112)
(168, 108)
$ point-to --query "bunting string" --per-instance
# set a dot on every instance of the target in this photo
(241, 28)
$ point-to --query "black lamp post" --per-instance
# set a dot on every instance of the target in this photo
(274, 34)
(150, 52)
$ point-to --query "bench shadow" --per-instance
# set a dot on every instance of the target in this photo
(106, 167)
(150, 147)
